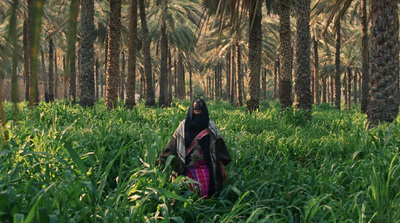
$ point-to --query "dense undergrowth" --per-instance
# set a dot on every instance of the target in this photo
(63, 163)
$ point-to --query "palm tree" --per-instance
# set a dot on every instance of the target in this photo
(286, 55)
(337, 67)
(25, 40)
(51, 66)
(239, 74)
(87, 54)
(164, 47)
(302, 69)
(114, 38)
(365, 57)
(383, 105)
(131, 79)
(71, 54)
(150, 100)
(316, 72)
(255, 45)
(36, 11)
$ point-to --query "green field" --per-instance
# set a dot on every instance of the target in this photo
(63, 163)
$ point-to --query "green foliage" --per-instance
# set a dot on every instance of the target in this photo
(62, 163)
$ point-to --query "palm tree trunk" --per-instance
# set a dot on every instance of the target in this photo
(51, 71)
(286, 55)
(365, 57)
(131, 79)
(302, 69)
(190, 84)
(383, 105)
(276, 77)
(14, 56)
(355, 88)
(324, 91)
(56, 78)
(233, 75)
(25, 40)
(97, 79)
(44, 78)
(255, 46)
(72, 74)
(180, 78)
(65, 79)
(102, 81)
(170, 80)
(150, 101)
(113, 71)
(264, 83)
(164, 62)
(239, 102)
(345, 87)
(337, 67)
(86, 83)
(175, 79)
(122, 86)
(349, 89)
(316, 73)
(228, 75)
(71, 57)
(35, 15)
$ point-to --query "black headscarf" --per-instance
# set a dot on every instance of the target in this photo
(194, 125)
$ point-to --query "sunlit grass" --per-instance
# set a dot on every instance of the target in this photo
(63, 162)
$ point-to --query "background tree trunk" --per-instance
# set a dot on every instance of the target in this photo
(286, 55)
(86, 83)
(51, 71)
(302, 69)
(364, 57)
(383, 105)
(255, 46)
(239, 102)
(25, 41)
(122, 85)
(337, 67)
(113, 71)
(233, 75)
(150, 100)
(163, 72)
(316, 73)
(131, 79)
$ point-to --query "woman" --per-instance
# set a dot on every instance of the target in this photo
(201, 151)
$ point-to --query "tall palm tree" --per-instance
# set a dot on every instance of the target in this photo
(365, 57)
(302, 69)
(239, 74)
(87, 88)
(255, 40)
(150, 100)
(51, 70)
(114, 39)
(286, 55)
(316, 72)
(71, 54)
(383, 105)
(36, 11)
(337, 67)
(164, 47)
(25, 40)
(131, 79)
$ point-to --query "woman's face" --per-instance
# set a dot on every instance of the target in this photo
(196, 108)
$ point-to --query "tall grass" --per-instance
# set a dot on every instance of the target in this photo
(62, 162)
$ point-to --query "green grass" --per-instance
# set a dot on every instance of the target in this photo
(62, 163)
